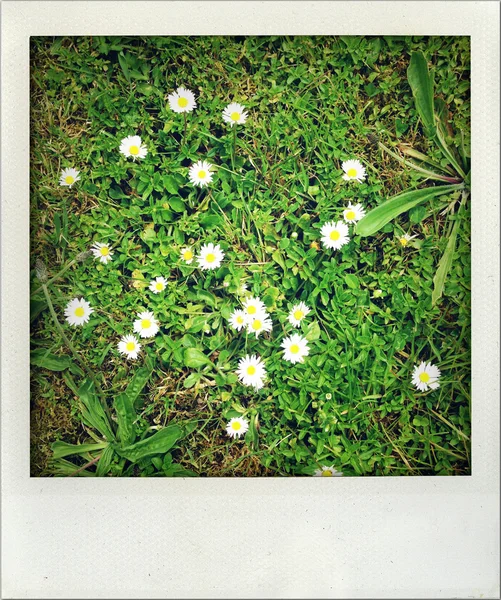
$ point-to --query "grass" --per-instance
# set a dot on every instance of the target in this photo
(312, 103)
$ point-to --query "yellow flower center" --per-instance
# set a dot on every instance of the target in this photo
(240, 320)
(350, 215)
(294, 348)
(235, 116)
(424, 377)
(251, 370)
(256, 325)
(202, 174)
(159, 286)
(210, 258)
(104, 251)
(69, 179)
(251, 310)
(145, 323)
(404, 241)
(327, 473)
(79, 312)
(334, 235)
(182, 102)
(134, 150)
(298, 315)
(188, 255)
(130, 346)
(351, 173)
(236, 425)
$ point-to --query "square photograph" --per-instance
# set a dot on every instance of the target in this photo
(250, 256)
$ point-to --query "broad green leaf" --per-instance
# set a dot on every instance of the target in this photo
(42, 358)
(384, 213)
(104, 463)
(176, 204)
(126, 415)
(92, 411)
(191, 380)
(195, 359)
(313, 332)
(352, 281)
(444, 266)
(62, 449)
(137, 383)
(421, 82)
(159, 443)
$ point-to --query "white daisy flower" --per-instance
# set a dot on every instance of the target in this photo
(234, 113)
(130, 346)
(251, 371)
(210, 256)
(187, 254)
(253, 307)
(158, 285)
(238, 319)
(425, 376)
(327, 472)
(353, 213)
(295, 348)
(102, 252)
(200, 173)
(334, 235)
(182, 100)
(146, 325)
(69, 177)
(78, 311)
(259, 323)
(405, 239)
(131, 146)
(297, 314)
(353, 169)
(237, 426)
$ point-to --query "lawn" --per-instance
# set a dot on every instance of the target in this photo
(390, 298)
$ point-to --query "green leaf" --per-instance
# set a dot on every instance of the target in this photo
(137, 383)
(417, 214)
(62, 449)
(313, 332)
(352, 281)
(176, 204)
(195, 359)
(159, 443)
(126, 415)
(43, 358)
(421, 82)
(444, 266)
(104, 463)
(92, 411)
(123, 64)
(36, 307)
(378, 217)
(191, 380)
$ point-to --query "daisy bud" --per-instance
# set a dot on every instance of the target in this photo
(294, 235)
(328, 396)
(83, 256)
(41, 271)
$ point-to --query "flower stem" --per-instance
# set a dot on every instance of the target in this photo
(185, 127)
(75, 354)
(234, 146)
(61, 272)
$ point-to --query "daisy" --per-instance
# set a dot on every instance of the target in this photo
(251, 371)
(200, 173)
(132, 146)
(158, 285)
(334, 235)
(242, 289)
(102, 252)
(258, 324)
(146, 325)
(238, 319)
(297, 314)
(234, 113)
(405, 239)
(69, 177)
(182, 100)
(353, 213)
(210, 256)
(78, 311)
(253, 307)
(327, 472)
(295, 348)
(187, 254)
(130, 346)
(425, 376)
(237, 427)
(353, 169)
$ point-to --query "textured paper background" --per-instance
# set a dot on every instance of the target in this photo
(249, 538)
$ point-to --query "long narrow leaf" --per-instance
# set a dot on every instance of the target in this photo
(385, 212)
(104, 464)
(62, 449)
(92, 411)
(159, 443)
(421, 82)
(137, 383)
(126, 415)
(444, 266)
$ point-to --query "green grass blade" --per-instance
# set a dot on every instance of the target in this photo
(378, 217)
(421, 82)
(444, 266)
